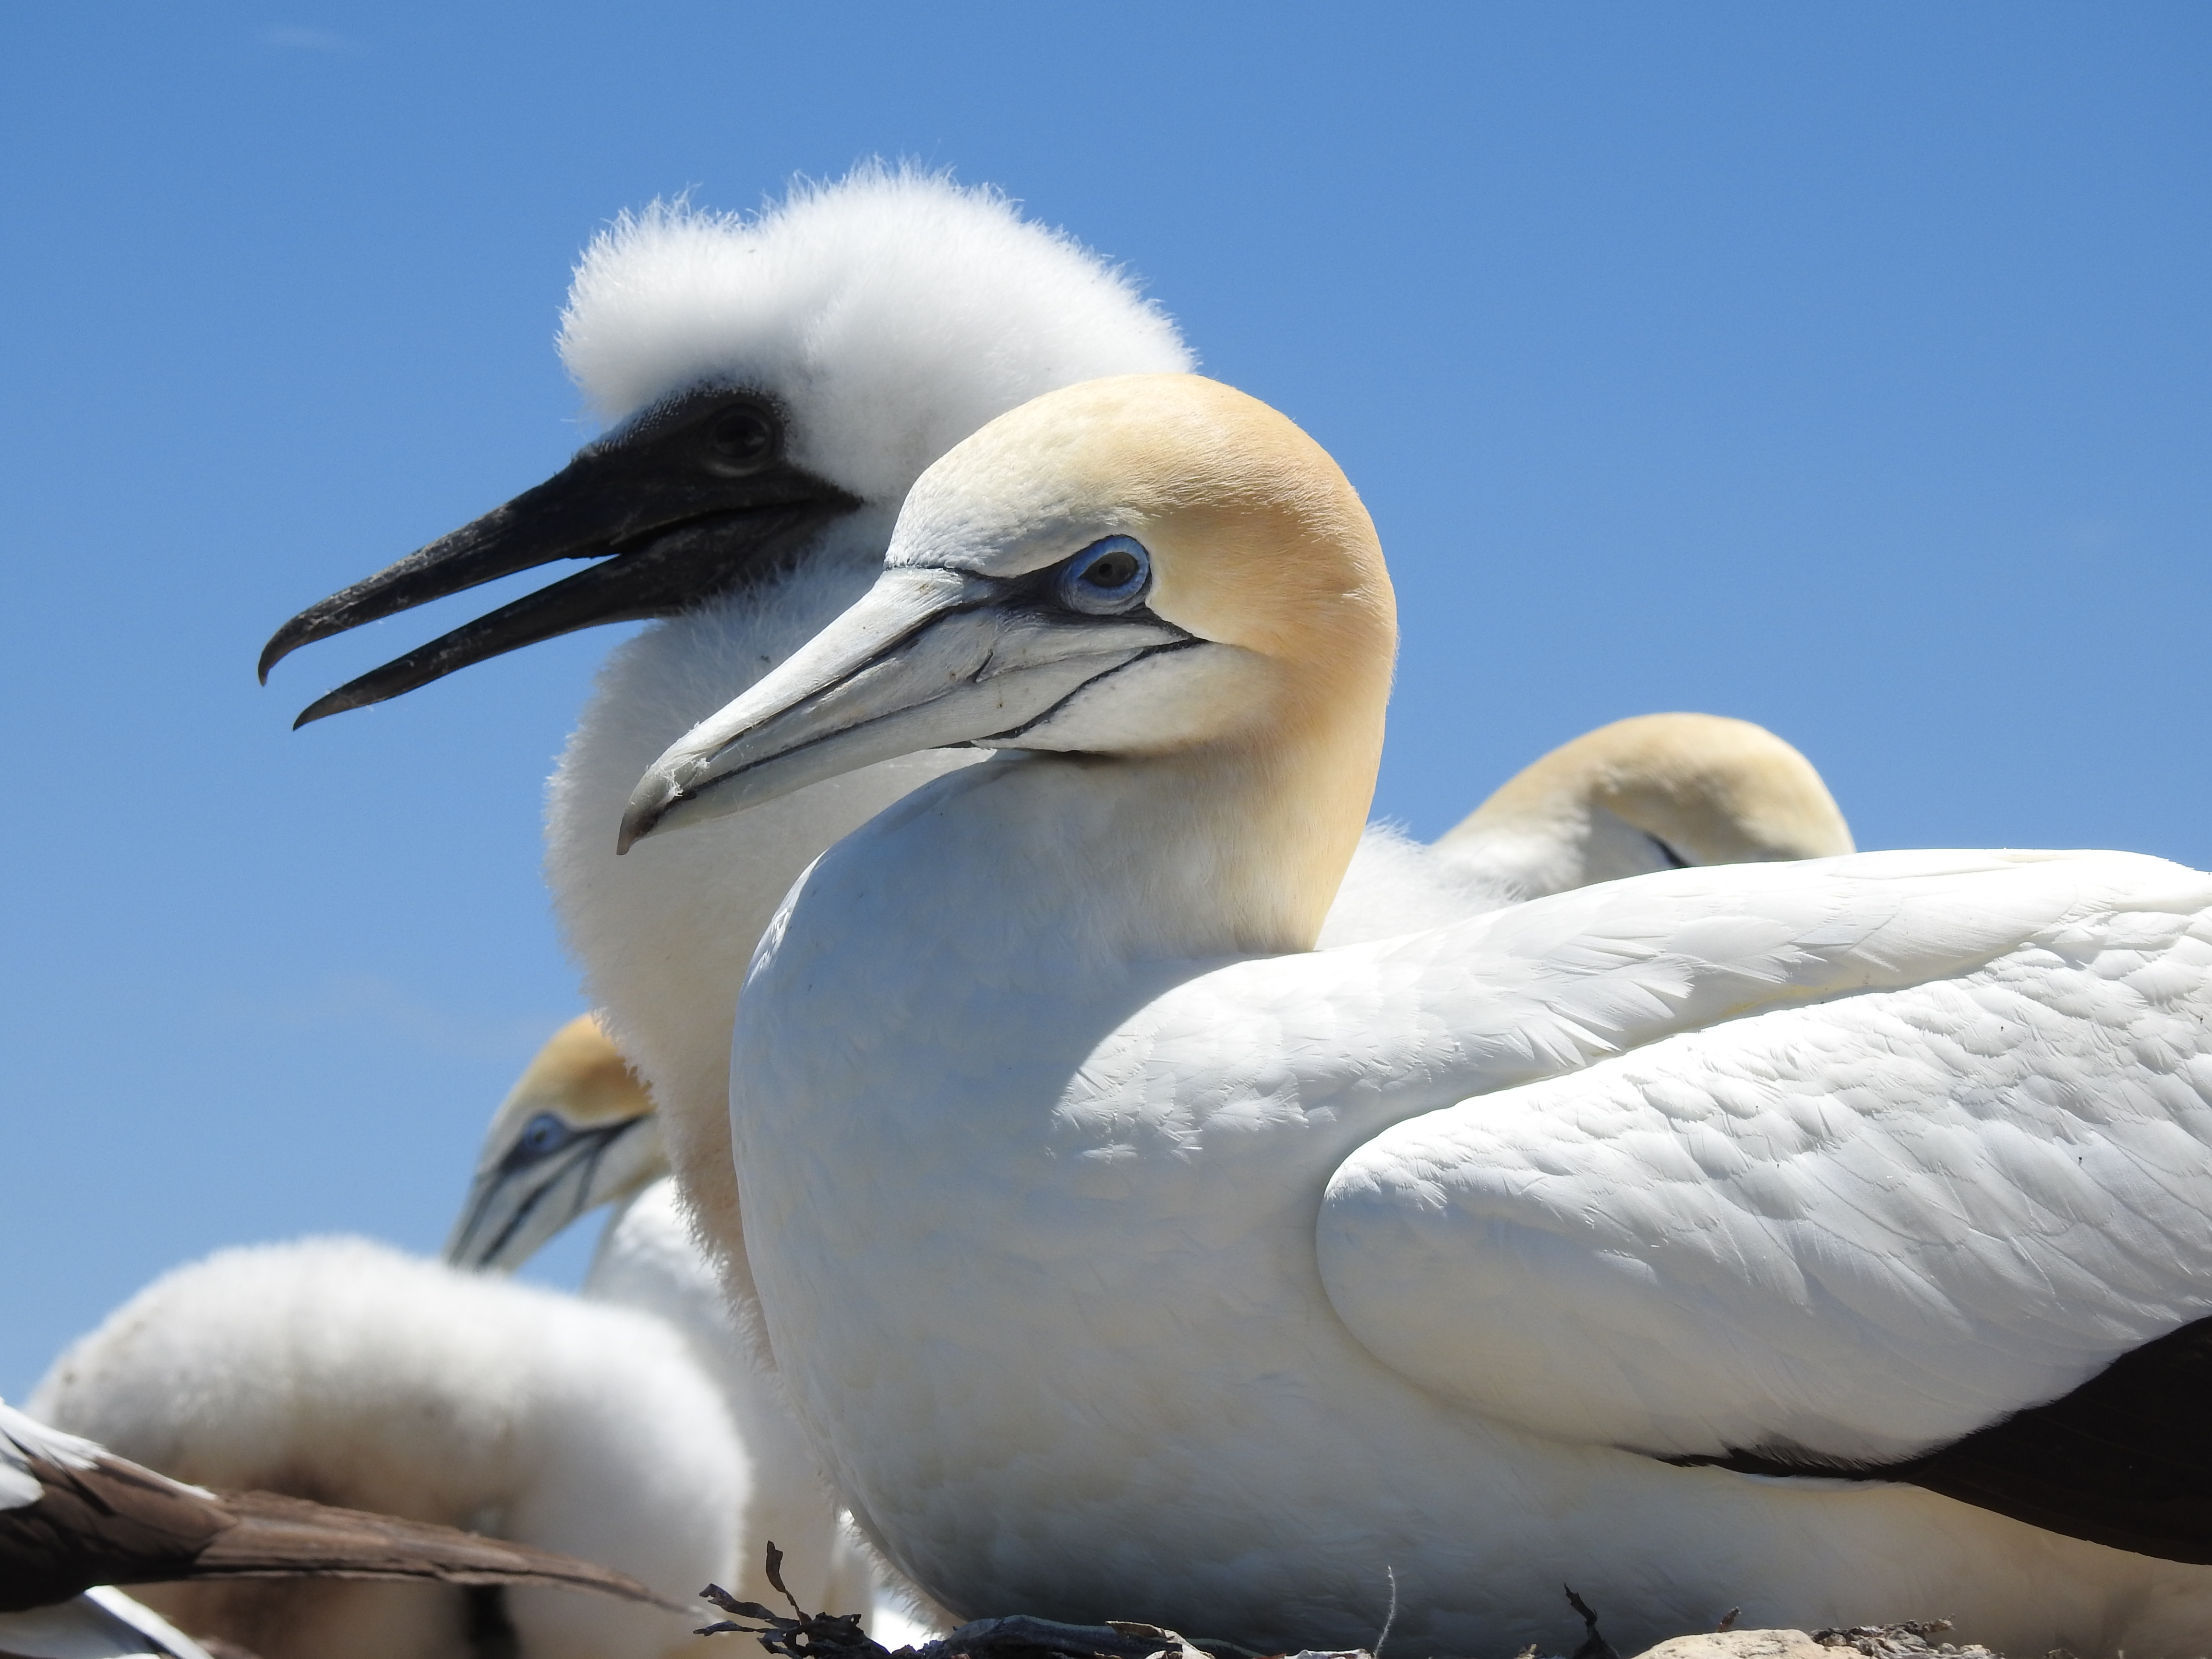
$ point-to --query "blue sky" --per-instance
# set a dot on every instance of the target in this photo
(1840, 367)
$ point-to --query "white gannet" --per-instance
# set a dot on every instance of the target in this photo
(72, 1514)
(1826, 1239)
(774, 384)
(1654, 792)
(576, 1131)
(344, 1372)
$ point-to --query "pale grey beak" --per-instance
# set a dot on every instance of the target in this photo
(929, 659)
(518, 1203)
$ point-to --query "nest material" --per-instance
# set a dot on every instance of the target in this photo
(806, 1635)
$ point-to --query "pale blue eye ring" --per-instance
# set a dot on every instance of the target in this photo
(544, 1135)
(1108, 577)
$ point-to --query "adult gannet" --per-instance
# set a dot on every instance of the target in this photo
(1654, 792)
(576, 1131)
(342, 1370)
(773, 385)
(1126, 1256)
(73, 1513)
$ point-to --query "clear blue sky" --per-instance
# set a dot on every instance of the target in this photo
(1844, 368)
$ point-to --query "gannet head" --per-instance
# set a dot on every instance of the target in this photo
(764, 378)
(1149, 565)
(575, 1131)
(1652, 793)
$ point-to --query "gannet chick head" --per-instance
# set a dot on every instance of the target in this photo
(575, 1131)
(1652, 793)
(1155, 569)
(766, 379)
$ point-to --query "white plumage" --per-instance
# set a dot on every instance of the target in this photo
(1128, 1258)
(577, 1132)
(889, 314)
(342, 1370)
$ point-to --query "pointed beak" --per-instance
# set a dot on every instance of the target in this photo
(519, 1202)
(673, 519)
(928, 658)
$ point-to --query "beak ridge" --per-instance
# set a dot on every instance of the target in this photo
(929, 659)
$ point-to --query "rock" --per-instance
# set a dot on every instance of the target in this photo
(1742, 1644)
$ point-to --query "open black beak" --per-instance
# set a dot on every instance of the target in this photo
(681, 504)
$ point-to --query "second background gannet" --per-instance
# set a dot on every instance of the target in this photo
(1654, 792)
(1130, 1258)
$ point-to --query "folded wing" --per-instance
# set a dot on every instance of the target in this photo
(1954, 1163)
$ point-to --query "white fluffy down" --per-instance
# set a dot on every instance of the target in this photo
(891, 312)
(899, 310)
(342, 1370)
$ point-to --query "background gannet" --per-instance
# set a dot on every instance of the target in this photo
(1654, 792)
(774, 385)
(1126, 1253)
(341, 1370)
(576, 1131)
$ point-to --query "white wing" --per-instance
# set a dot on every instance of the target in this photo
(1886, 1148)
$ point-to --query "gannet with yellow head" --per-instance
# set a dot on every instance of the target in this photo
(1656, 791)
(576, 1131)
(1127, 1257)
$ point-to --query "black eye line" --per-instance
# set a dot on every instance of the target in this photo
(1038, 594)
(695, 408)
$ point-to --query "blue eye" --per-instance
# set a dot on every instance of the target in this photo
(542, 1134)
(1107, 577)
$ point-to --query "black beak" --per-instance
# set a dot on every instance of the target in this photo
(684, 503)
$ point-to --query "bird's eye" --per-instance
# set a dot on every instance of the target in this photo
(743, 440)
(543, 1134)
(1107, 577)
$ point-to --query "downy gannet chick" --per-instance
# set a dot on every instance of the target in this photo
(1177, 1271)
(576, 1131)
(773, 385)
(342, 1370)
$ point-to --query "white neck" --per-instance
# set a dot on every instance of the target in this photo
(664, 935)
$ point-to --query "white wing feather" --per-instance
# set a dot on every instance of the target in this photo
(1862, 1225)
